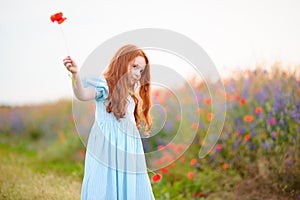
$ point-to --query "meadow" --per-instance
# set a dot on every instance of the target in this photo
(257, 155)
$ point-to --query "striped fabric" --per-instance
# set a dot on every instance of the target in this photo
(115, 165)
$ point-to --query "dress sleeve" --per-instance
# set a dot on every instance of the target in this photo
(100, 86)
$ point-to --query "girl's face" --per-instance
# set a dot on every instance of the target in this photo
(136, 69)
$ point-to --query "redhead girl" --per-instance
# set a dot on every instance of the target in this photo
(115, 165)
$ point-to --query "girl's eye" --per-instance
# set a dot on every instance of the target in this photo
(134, 66)
(141, 71)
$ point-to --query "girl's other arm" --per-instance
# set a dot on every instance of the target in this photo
(81, 93)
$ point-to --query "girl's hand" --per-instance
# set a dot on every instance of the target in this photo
(70, 65)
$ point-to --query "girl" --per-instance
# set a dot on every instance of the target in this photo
(115, 166)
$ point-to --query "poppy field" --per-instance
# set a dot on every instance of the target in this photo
(257, 155)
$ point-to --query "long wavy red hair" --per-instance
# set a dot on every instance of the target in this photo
(120, 86)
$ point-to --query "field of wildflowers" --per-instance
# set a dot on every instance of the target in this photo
(256, 156)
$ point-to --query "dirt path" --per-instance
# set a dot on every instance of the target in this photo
(258, 188)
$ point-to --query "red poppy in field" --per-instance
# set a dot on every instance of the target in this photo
(247, 137)
(248, 118)
(156, 177)
(179, 148)
(160, 147)
(160, 100)
(172, 165)
(199, 110)
(208, 101)
(165, 159)
(193, 161)
(171, 145)
(194, 125)
(169, 94)
(258, 110)
(274, 134)
(164, 170)
(218, 148)
(239, 133)
(272, 121)
(209, 116)
(82, 153)
(236, 97)
(227, 96)
(190, 175)
(242, 101)
(182, 159)
(225, 166)
(58, 17)
(156, 93)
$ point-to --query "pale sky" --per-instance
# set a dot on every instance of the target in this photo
(235, 34)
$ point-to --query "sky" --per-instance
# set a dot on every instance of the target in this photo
(235, 35)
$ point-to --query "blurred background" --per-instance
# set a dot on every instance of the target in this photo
(255, 47)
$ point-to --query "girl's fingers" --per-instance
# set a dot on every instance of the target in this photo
(67, 62)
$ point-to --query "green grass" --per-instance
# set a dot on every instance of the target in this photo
(24, 176)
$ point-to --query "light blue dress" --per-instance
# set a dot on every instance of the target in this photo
(115, 165)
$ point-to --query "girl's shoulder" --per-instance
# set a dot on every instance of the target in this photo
(100, 85)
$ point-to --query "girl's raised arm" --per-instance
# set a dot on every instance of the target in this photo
(81, 93)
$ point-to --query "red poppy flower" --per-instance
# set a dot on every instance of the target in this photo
(169, 94)
(227, 96)
(225, 166)
(156, 93)
(242, 101)
(236, 97)
(160, 147)
(258, 110)
(272, 121)
(179, 148)
(58, 17)
(209, 116)
(171, 145)
(207, 101)
(274, 134)
(194, 125)
(172, 165)
(182, 159)
(219, 147)
(160, 100)
(82, 153)
(164, 170)
(248, 118)
(156, 177)
(193, 161)
(247, 137)
(239, 133)
(191, 175)
(199, 110)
